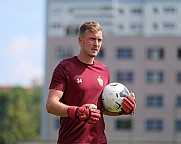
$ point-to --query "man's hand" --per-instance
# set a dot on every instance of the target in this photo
(129, 104)
(87, 112)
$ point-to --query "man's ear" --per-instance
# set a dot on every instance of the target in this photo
(80, 40)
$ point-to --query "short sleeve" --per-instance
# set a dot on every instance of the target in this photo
(58, 80)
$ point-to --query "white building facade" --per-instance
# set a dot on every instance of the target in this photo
(117, 17)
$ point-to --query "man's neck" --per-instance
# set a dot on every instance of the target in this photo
(87, 60)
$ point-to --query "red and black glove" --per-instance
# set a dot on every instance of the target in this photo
(87, 112)
(128, 105)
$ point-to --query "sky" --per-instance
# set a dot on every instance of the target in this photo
(22, 46)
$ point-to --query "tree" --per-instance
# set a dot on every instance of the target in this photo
(20, 114)
(3, 117)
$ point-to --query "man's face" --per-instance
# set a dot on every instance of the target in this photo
(90, 43)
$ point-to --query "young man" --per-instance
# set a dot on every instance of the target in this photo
(75, 92)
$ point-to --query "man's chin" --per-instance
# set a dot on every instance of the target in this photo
(93, 55)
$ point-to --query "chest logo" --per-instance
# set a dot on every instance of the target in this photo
(100, 81)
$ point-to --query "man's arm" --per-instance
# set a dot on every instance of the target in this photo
(54, 106)
(83, 113)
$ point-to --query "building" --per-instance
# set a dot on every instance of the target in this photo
(142, 47)
(117, 17)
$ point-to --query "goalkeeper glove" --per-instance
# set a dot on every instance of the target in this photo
(129, 104)
(87, 112)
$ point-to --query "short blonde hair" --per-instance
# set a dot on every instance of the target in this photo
(91, 26)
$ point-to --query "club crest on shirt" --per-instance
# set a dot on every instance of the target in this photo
(100, 81)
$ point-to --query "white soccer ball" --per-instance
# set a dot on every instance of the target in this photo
(113, 95)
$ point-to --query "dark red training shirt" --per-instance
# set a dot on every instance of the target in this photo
(81, 84)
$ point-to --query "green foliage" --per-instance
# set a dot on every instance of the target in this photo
(19, 114)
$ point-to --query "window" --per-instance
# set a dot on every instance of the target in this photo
(121, 11)
(179, 53)
(155, 26)
(178, 101)
(136, 11)
(123, 124)
(154, 125)
(155, 77)
(71, 10)
(179, 77)
(64, 53)
(178, 125)
(155, 10)
(121, 27)
(56, 12)
(155, 101)
(72, 30)
(155, 53)
(169, 25)
(125, 76)
(135, 26)
(124, 53)
(55, 26)
(170, 10)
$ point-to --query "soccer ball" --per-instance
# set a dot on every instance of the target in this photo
(113, 95)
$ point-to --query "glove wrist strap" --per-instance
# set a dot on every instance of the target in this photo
(72, 111)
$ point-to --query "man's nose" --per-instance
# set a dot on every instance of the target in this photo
(95, 42)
